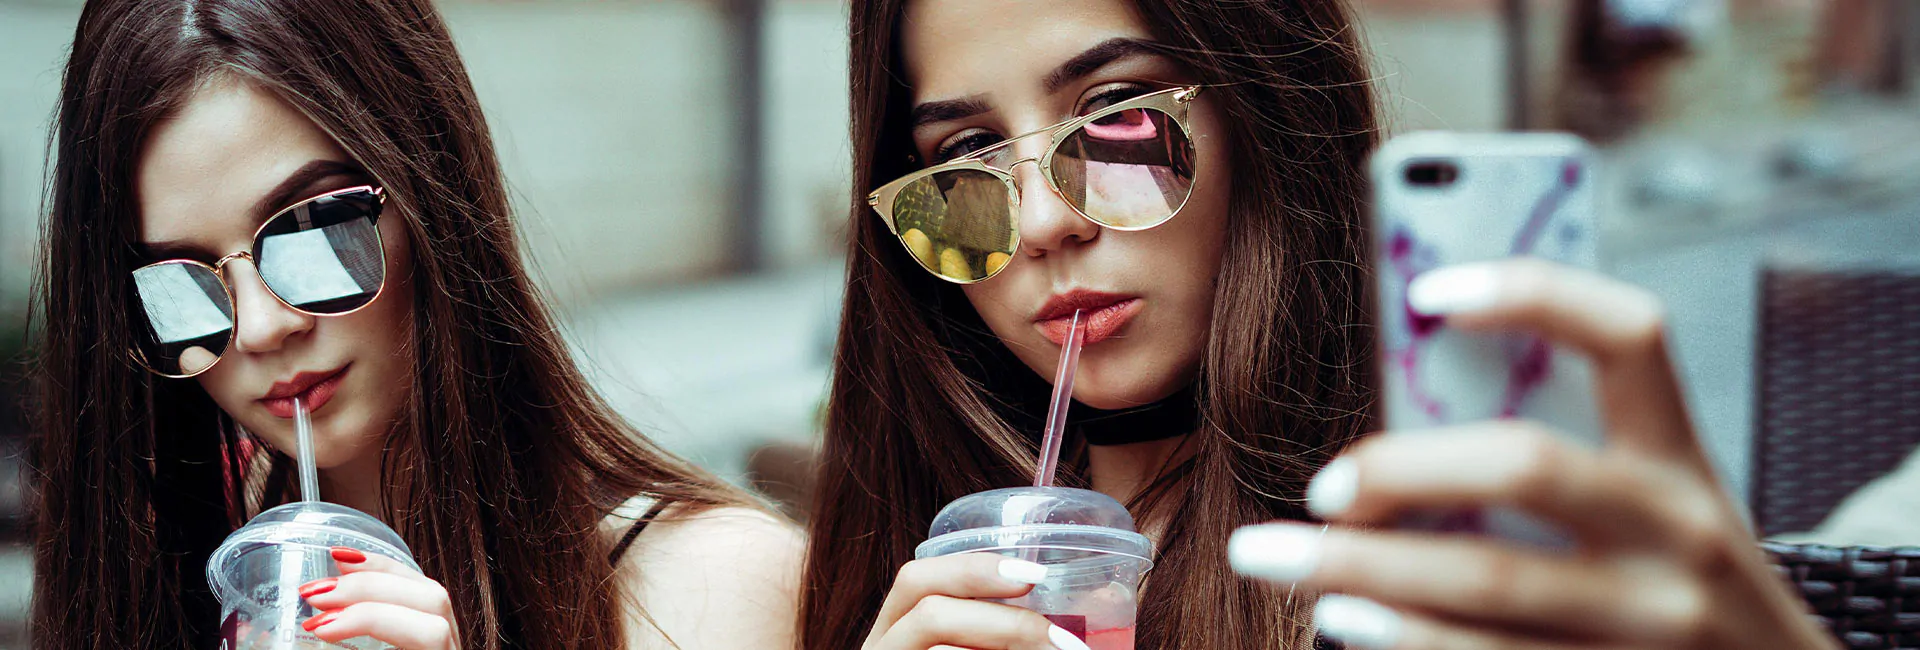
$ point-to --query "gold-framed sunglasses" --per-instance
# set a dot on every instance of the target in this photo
(1128, 166)
(321, 256)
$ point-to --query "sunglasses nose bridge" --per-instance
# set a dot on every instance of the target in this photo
(233, 285)
(1012, 170)
(1040, 179)
(220, 265)
(1029, 143)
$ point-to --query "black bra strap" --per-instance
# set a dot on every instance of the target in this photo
(633, 532)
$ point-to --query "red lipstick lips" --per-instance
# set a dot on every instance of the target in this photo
(1105, 314)
(313, 388)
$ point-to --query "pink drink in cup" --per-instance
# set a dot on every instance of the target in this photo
(1086, 540)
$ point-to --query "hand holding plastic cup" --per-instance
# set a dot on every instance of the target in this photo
(1094, 558)
(258, 570)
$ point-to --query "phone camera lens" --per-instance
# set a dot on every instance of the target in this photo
(1432, 173)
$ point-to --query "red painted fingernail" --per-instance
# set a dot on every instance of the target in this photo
(317, 621)
(348, 555)
(318, 587)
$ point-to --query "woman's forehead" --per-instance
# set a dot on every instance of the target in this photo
(230, 144)
(958, 48)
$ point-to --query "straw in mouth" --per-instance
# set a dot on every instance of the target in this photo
(303, 436)
(1062, 398)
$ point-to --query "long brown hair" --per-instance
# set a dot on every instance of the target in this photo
(912, 424)
(502, 464)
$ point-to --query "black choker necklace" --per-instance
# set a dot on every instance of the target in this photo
(1175, 415)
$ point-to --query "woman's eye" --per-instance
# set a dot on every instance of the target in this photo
(963, 145)
(1109, 97)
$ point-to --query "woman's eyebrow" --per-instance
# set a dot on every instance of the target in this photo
(1073, 69)
(946, 110)
(1095, 57)
(300, 185)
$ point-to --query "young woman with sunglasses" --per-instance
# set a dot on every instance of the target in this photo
(257, 201)
(1189, 173)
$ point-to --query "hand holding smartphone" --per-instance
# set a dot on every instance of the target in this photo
(1442, 199)
(1663, 559)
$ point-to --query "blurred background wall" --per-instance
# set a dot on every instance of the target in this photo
(681, 170)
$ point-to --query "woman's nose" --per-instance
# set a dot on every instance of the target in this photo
(262, 323)
(1047, 223)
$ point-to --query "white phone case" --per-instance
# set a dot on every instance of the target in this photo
(1515, 194)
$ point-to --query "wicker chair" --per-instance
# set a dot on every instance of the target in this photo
(1868, 597)
(1839, 368)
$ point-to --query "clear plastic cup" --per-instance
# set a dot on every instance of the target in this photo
(257, 572)
(1086, 540)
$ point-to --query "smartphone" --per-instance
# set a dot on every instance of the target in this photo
(1442, 198)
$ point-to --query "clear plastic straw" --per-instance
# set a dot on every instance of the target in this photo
(1062, 397)
(303, 434)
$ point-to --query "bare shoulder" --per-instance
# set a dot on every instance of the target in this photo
(729, 536)
(716, 577)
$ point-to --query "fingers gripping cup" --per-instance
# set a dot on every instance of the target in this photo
(1094, 558)
(257, 572)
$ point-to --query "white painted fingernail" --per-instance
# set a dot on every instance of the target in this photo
(1332, 491)
(1282, 553)
(1356, 622)
(1065, 640)
(1454, 289)
(1023, 572)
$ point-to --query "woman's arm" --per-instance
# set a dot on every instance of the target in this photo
(713, 579)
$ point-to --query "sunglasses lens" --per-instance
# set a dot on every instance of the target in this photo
(189, 317)
(324, 257)
(1131, 169)
(959, 224)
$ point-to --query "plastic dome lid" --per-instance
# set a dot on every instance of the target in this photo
(1051, 518)
(305, 523)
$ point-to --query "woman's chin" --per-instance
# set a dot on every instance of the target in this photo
(1107, 385)
(1108, 396)
(331, 451)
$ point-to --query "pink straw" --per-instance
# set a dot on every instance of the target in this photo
(1062, 397)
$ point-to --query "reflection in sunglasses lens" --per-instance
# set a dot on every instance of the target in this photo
(957, 224)
(324, 257)
(1131, 169)
(188, 317)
